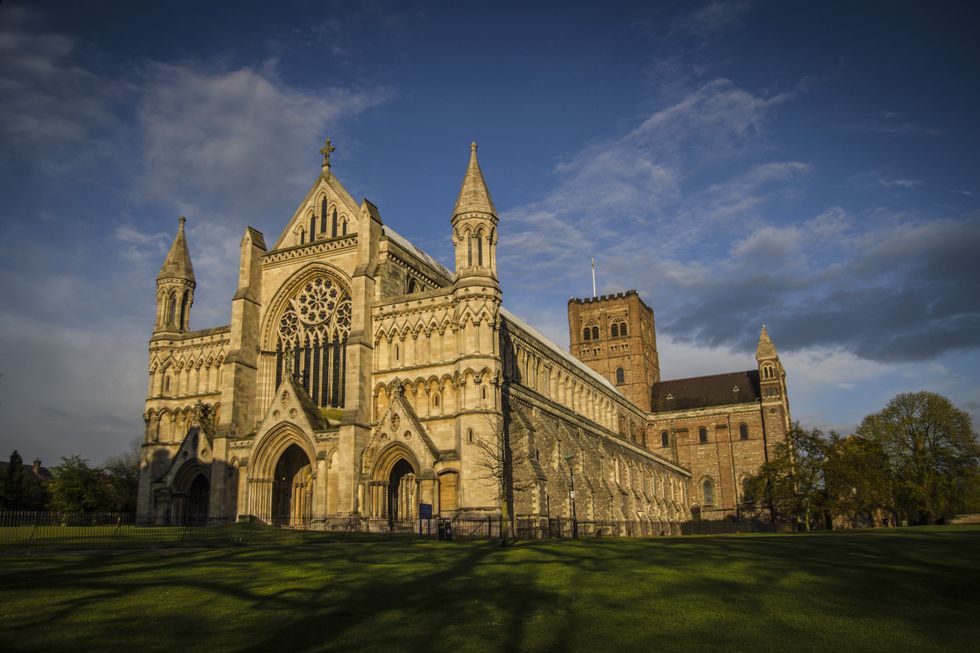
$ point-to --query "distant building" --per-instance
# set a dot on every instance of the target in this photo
(359, 378)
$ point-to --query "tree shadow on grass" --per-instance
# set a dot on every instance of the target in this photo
(673, 593)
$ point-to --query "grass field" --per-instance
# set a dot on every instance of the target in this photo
(888, 590)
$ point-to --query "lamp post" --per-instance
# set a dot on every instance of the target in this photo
(571, 475)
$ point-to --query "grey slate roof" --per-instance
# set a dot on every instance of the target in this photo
(706, 391)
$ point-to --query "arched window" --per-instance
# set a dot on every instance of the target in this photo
(664, 439)
(767, 372)
(708, 490)
(396, 352)
(702, 435)
(469, 435)
(484, 392)
(469, 250)
(411, 286)
(312, 227)
(183, 308)
(479, 248)
(587, 333)
(435, 400)
(302, 236)
(333, 224)
(615, 330)
(620, 375)
(323, 216)
(171, 308)
(343, 227)
(743, 431)
(622, 329)
(595, 333)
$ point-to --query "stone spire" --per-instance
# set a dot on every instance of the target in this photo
(765, 348)
(474, 196)
(177, 265)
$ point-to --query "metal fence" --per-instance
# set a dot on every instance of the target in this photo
(29, 530)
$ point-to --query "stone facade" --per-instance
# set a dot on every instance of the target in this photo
(359, 379)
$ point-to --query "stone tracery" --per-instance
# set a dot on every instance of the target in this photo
(311, 339)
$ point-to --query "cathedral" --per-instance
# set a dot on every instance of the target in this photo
(362, 382)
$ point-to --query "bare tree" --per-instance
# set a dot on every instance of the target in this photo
(502, 450)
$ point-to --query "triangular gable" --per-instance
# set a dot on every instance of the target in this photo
(292, 404)
(399, 419)
(336, 193)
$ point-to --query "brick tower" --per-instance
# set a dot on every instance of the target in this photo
(615, 335)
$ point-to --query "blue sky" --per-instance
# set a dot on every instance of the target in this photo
(810, 167)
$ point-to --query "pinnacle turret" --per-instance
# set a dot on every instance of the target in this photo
(766, 348)
(473, 195)
(177, 265)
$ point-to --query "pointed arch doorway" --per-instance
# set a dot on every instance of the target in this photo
(401, 492)
(394, 487)
(292, 488)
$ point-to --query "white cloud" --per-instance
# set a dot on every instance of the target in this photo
(220, 139)
(641, 183)
(901, 183)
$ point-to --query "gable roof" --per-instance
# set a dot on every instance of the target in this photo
(564, 355)
(706, 391)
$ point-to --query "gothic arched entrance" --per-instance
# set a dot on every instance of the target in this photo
(393, 492)
(401, 492)
(198, 497)
(292, 488)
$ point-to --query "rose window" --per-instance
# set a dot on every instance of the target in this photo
(317, 301)
(312, 341)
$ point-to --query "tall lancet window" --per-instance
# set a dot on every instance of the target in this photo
(171, 309)
(311, 342)
(183, 308)
(312, 227)
(469, 250)
(323, 216)
(479, 248)
(333, 224)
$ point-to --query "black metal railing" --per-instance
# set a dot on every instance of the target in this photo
(46, 530)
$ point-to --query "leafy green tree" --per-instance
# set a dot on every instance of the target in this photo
(78, 487)
(856, 480)
(931, 452)
(21, 488)
(123, 475)
(790, 484)
(12, 487)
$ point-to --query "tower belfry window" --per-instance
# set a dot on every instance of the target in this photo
(171, 308)
(183, 309)
(479, 248)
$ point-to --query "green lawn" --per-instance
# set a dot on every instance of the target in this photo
(887, 590)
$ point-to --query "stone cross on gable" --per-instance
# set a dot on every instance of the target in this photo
(325, 151)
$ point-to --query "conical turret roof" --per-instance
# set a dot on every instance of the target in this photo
(177, 265)
(765, 348)
(473, 195)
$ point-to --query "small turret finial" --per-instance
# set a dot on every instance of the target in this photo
(180, 222)
(473, 146)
